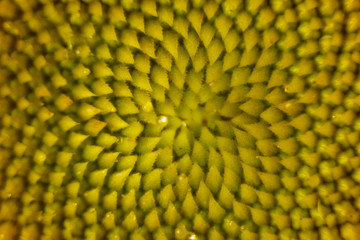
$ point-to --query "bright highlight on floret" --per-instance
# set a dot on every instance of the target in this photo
(184, 119)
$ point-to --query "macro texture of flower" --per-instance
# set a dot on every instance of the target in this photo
(179, 119)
